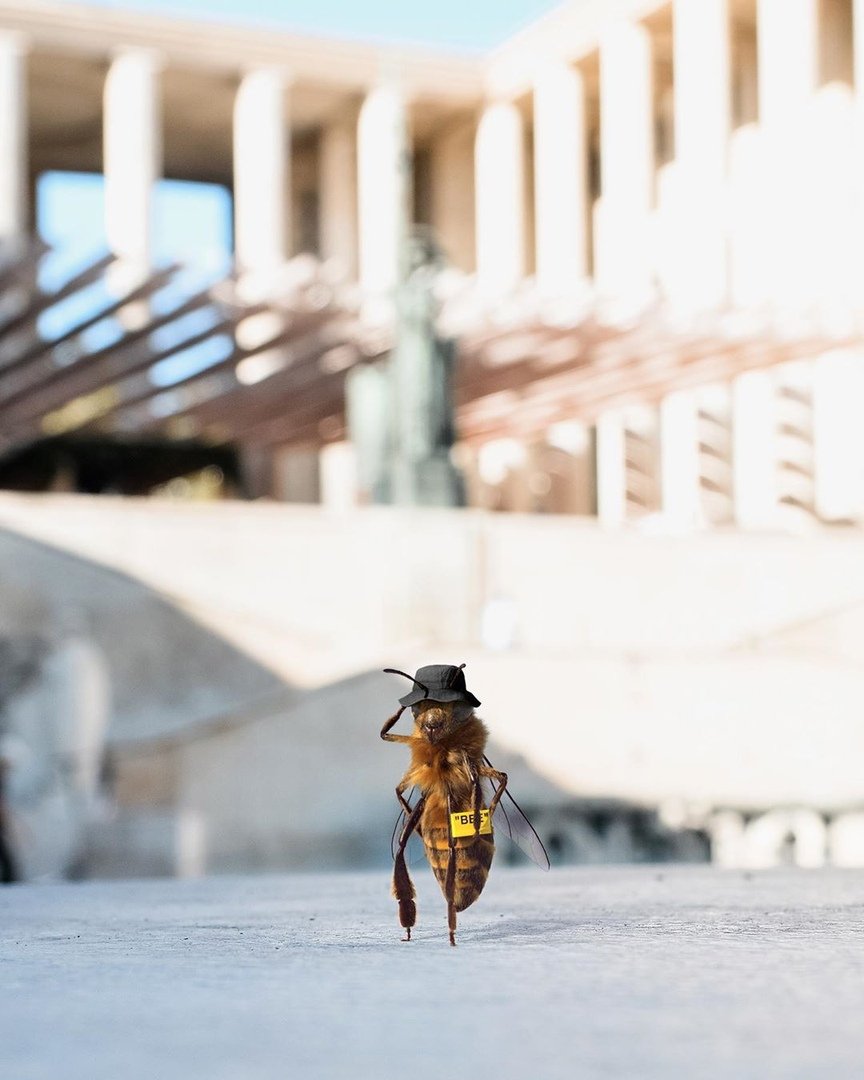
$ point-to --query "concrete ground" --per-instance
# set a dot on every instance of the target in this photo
(649, 972)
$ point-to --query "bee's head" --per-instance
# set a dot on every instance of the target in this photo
(435, 720)
(440, 700)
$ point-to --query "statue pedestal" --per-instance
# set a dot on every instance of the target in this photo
(433, 481)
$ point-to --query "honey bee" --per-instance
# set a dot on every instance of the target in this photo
(452, 776)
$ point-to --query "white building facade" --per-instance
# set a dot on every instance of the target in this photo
(652, 213)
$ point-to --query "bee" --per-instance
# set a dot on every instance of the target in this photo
(452, 776)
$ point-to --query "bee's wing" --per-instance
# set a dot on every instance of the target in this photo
(397, 832)
(414, 848)
(510, 820)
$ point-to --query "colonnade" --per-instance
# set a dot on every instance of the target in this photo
(756, 204)
(132, 141)
(755, 208)
(535, 207)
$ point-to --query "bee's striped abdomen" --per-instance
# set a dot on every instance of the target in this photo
(473, 859)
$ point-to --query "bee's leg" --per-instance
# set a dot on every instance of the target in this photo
(500, 779)
(478, 793)
(450, 880)
(478, 804)
(389, 723)
(403, 886)
(400, 795)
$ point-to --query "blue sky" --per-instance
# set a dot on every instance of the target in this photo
(192, 226)
(193, 221)
(475, 24)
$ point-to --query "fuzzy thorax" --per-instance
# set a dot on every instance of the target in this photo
(445, 766)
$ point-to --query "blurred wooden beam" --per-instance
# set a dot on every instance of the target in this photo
(141, 292)
(43, 300)
(307, 325)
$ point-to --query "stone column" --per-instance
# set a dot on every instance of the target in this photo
(262, 157)
(679, 458)
(257, 470)
(754, 450)
(858, 51)
(788, 44)
(132, 160)
(838, 437)
(858, 67)
(190, 843)
(702, 130)
(560, 184)
(835, 152)
(338, 196)
(338, 476)
(577, 488)
(382, 191)
(516, 486)
(13, 137)
(623, 258)
(499, 163)
(611, 469)
(296, 475)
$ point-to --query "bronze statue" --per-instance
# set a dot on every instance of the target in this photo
(400, 412)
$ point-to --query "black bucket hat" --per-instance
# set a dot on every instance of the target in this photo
(436, 682)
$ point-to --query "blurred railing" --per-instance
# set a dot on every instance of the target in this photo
(164, 354)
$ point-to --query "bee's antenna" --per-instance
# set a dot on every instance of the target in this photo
(452, 678)
(396, 671)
